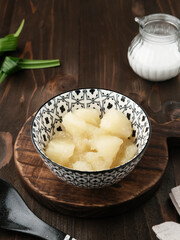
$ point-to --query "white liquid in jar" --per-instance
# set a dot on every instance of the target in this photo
(155, 62)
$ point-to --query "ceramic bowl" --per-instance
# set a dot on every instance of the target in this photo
(48, 120)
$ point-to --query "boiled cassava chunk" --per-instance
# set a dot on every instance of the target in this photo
(82, 166)
(93, 131)
(73, 125)
(129, 153)
(81, 144)
(107, 146)
(60, 148)
(126, 152)
(89, 115)
(116, 123)
(97, 162)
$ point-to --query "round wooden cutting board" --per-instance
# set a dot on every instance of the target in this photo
(71, 200)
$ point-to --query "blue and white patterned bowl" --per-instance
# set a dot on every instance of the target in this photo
(48, 120)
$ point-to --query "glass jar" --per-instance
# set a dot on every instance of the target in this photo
(154, 54)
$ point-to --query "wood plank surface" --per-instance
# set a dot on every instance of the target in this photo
(91, 39)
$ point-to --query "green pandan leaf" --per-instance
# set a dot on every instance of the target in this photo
(9, 42)
(13, 64)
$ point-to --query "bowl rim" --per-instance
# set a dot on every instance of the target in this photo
(99, 171)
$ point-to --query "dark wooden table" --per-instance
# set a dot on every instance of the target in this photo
(91, 39)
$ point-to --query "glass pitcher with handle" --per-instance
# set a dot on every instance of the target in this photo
(154, 54)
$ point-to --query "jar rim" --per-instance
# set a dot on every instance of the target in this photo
(151, 19)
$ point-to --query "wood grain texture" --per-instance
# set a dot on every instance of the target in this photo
(6, 148)
(91, 39)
